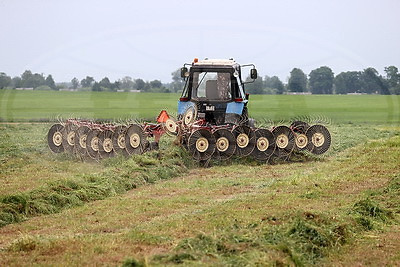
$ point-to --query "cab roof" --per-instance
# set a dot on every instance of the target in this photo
(218, 62)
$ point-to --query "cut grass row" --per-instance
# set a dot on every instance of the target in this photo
(282, 214)
(36, 182)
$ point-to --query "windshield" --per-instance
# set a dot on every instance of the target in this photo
(211, 85)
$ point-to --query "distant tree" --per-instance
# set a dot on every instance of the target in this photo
(105, 84)
(16, 82)
(155, 84)
(36, 80)
(26, 76)
(74, 83)
(126, 83)
(96, 87)
(392, 76)
(177, 81)
(372, 82)
(257, 87)
(29, 80)
(297, 81)
(115, 85)
(50, 82)
(5, 80)
(87, 82)
(321, 80)
(274, 83)
(140, 84)
(348, 82)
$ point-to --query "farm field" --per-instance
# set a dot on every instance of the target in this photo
(20, 106)
(163, 209)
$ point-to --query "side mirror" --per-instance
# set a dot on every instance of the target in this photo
(184, 70)
(253, 74)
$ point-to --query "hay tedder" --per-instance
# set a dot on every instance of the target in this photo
(212, 123)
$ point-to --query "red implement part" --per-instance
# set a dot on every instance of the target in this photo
(163, 116)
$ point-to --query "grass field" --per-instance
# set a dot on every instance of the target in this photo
(45, 106)
(163, 209)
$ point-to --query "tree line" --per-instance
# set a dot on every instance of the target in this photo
(319, 81)
(323, 81)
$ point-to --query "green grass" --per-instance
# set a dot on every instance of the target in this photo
(45, 106)
(162, 209)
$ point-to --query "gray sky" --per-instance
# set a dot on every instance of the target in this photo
(150, 39)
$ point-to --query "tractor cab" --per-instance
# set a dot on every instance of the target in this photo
(214, 88)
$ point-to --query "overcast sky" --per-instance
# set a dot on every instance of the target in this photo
(150, 39)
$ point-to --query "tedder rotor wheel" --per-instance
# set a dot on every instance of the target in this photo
(245, 140)
(118, 140)
(225, 143)
(320, 139)
(135, 140)
(201, 144)
(92, 143)
(190, 115)
(55, 138)
(301, 141)
(299, 127)
(80, 140)
(284, 141)
(105, 144)
(265, 144)
(170, 126)
(68, 135)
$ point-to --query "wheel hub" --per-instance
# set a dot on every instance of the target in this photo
(107, 145)
(71, 138)
(82, 141)
(202, 144)
(262, 144)
(301, 141)
(242, 140)
(94, 143)
(188, 117)
(222, 144)
(57, 138)
(171, 126)
(135, 140)
(282, 141)
(121, 141)
(318, 139)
